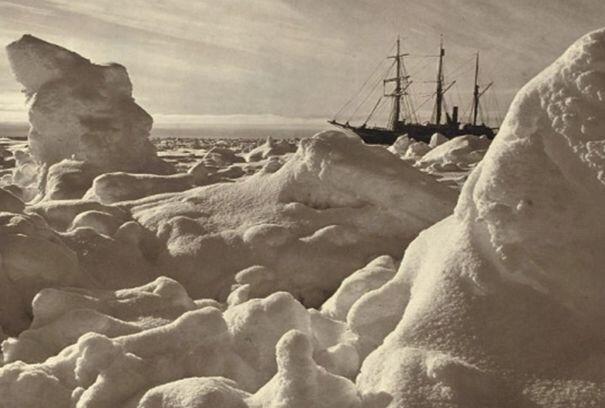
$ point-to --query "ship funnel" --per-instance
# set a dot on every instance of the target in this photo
(455, 114)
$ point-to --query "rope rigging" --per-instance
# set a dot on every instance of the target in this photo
(372, 112)
(405, 108)
(378, 81)
(356, 94)
(408, 104)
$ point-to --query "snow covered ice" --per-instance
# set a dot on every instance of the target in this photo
(327, 208)
(324, 274)
(82, 111)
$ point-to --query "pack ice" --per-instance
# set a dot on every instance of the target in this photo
(284, 288)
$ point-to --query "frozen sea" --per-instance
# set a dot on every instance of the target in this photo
(239, 132)
(205, 132)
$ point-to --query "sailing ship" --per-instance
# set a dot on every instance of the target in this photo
(403, 119)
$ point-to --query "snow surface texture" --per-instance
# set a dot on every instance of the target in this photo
(336, 204)
(82, 111)
(498, 305)
(155, 334)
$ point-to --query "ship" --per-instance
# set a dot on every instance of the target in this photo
(403, 119)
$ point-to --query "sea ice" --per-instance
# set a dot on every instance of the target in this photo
(499, 304)
(437, 139)
(111, 348)
(400, 146)
(332, 207)
(271, 147)
(416, 150)
(459, 152)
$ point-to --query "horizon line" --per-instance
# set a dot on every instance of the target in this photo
(200, 120)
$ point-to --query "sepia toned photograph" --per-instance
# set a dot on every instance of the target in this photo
(302, 204)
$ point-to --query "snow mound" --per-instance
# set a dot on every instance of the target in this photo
(437, 139)
(112, 254)
(198, 392)
(154, 346)
(370, 277)
(109, 188)
(112, 250)
(10, 203)
(60, 213)
(257, 325)
(83, 111)
(400, 146)
(416, 150)
(271, 147)
(61, 316)
(218, 157)
(501, 304)
(458, 153)
(336, 204)
(300, 383)
(67, 179)
(33, 257)
(100, 221)
(100, 370)
(25, 175)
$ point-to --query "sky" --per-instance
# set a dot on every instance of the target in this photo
(298, 61)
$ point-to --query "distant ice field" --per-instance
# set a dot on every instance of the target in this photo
(238, 132)
(214, 131)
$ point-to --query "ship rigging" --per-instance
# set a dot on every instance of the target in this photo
(403, 119)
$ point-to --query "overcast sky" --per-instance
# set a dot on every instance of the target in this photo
(294, 58)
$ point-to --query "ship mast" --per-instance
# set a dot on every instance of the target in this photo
(476, 92)
(439, 92)
(395, 116)
(397, 104)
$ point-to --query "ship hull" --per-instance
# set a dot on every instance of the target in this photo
(417, 132)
